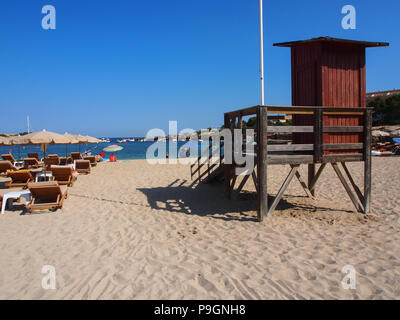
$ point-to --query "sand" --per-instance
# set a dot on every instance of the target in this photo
(130, 230)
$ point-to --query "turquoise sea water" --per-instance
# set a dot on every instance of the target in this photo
(132, 150)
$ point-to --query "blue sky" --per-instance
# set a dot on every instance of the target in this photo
(120, 68)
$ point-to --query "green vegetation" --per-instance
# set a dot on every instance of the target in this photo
(386, 111)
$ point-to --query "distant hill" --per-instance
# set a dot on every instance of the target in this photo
(386, 111)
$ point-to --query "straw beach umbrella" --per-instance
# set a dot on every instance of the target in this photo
(72, 140)
(92, 139)
(43, 138)
(81, 139)
(380, 133)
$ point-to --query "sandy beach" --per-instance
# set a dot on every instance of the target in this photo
(131, 230)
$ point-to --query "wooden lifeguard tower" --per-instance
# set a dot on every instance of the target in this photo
(331, 124)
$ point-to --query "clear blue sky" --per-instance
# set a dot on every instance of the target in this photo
(120, 68)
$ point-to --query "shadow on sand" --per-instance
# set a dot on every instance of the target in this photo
(205, 200)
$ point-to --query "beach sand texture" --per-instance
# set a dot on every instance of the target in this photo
(131, 230)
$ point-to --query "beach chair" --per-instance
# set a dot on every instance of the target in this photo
(76, 156)
(19, 178)
(63, 175)
(32, 163)
(65, 160)
(34, 155)
(8, 157)
(92, 160)
(51, 161)
(46, 195)
(6, 165)
(82, 166)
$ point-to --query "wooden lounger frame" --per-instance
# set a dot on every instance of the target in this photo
(58, 204)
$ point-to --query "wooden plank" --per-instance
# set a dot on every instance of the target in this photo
(310, 177)
(290, 147)
(346, 187)
(343, 109)
(284, 186)
(343, 146)
(244, 112)
(243, 182)
(355, 187)
(316, 177)
(255, 181)
(339, 129)
(304, 185)
(345, 157)
(232, 186)
(262, 121)
(367, 160)
(289, 159)
(289, 129)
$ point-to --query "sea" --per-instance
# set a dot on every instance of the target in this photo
(130, 151)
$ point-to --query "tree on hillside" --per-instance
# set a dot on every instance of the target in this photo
(386, 111)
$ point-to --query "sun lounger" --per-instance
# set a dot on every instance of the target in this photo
(92, 160)
(8, 157)
(65, 160)
(46, 195)
(19, 178)
(6, 165)
(76, 156)
(31, 163)
(12, 194)
(34, 155)
(63, 175)
(50, 161)
(82, 166)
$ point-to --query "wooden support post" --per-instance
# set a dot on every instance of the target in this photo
(262, 152)
(226, 168)
(303, 184)
(255, 181)
(311, 175)
(243, 182)
(346, 186)
(318, 132)
(316, 177)
(232, 186)
(367, 160)
(356, 188)
(285, 184)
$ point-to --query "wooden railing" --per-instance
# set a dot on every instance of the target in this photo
(310, 152)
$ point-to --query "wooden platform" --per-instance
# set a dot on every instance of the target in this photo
(313, 154)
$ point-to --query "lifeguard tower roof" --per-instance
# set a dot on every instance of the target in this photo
(366, 44)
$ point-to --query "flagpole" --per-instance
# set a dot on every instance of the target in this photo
(261, 52)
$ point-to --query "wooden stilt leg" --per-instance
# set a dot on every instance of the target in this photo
(243, 182)
(346, 186)
(367, 160)
(285, 184)
(262, 165)
(356, 188)
(304, 185)
(311, 175)
(316, 177)
(232, 185)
